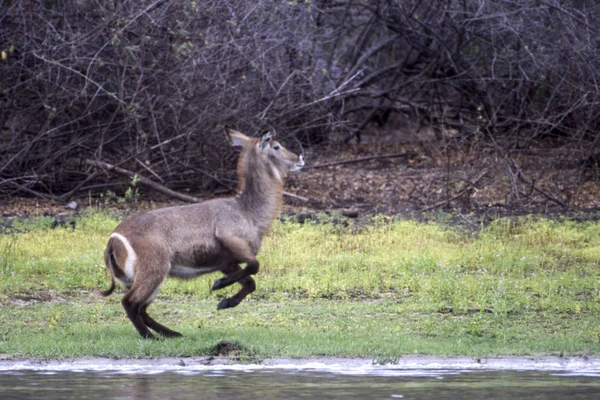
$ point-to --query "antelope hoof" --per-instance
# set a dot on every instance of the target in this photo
(226, 303)
(219, 284)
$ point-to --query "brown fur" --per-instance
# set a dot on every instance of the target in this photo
(215, 235)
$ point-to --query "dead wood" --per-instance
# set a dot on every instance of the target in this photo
(546, 194)
(161, 188)
(143, 180)
(361, 159)
(458, 195)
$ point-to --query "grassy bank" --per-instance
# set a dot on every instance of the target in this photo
(527, 286)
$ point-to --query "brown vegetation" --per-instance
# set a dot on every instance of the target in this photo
(494, 102)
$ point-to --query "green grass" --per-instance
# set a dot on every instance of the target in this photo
(299, 328)
(524, 286)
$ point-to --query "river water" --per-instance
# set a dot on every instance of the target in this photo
(311, 380)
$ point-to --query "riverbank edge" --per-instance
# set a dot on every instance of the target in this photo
(359, 365)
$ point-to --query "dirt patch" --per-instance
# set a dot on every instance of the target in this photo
(430, 179)
(418, 177)
(29, 299)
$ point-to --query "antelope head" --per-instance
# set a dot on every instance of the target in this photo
(278, 160)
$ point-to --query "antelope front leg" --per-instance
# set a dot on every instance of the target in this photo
(248, 286)
(243, 254)
(251, 269)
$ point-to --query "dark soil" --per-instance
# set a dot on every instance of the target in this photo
(420, 177)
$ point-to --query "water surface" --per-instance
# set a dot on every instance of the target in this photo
(310, 381)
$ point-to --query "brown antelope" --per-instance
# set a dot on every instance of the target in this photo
(215, 235)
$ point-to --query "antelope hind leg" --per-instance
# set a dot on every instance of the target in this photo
(137, 299)
(133, 310)
(161, 329)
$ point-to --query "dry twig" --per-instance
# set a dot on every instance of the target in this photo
(361, 159)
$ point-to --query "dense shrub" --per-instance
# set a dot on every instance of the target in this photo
(147, 85)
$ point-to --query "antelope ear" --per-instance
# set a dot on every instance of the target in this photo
(265, 139)
(236, 138)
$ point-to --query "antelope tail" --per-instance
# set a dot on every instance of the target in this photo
(109, 260)
(108, 292)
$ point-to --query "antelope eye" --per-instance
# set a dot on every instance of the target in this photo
(276, 147)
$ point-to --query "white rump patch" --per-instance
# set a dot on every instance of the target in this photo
(131, 258)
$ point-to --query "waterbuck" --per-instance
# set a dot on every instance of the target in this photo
(215, 235)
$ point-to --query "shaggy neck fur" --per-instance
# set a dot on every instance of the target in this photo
(260, 189)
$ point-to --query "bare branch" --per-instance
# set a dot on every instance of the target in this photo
(143, 180)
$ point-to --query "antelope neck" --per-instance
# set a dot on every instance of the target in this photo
(260, 194)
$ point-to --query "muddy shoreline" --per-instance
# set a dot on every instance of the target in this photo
(358, 366)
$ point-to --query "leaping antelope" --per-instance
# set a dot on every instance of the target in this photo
(215, 235)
